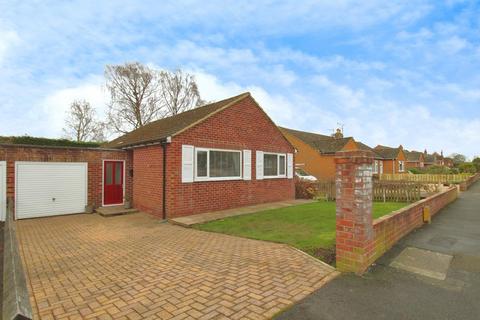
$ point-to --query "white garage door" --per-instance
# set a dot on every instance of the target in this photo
(50, 188)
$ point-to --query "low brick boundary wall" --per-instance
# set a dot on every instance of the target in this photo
(389, 229)
(16, 303)
(464, 186)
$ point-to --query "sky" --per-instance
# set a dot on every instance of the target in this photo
(389, 72)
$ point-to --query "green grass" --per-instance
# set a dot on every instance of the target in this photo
(309, 227)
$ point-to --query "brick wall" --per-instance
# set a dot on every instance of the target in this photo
(359, 240)
(464, 186)
(389, 229)
(148, 179)
(93, 157)
(239, 127)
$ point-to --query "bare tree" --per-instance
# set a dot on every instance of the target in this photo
(135, 96)
(81, 123)
(179, 92)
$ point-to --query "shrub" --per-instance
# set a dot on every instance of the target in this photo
(27, 140)
(467, 167)
(304, 189)
(437, 170)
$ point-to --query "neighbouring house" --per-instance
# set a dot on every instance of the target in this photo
(415, 159)
(316, 152)
(394, 159)
(448, 162)
(223, 155)
(435, 159)
(378, 164)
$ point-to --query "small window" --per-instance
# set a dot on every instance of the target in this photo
(109, 173)
(118, 173)
(401, 166)
(213, 164)
(274, 165)
(281, 165)
(202, 159)
(375, 166)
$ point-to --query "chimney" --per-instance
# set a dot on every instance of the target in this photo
(338, 134)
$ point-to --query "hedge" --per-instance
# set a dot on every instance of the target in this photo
(27, 140)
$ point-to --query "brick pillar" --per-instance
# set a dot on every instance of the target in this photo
(354, 228)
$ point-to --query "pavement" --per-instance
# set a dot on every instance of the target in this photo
(188, 221)
(433, 273)
(135, 267)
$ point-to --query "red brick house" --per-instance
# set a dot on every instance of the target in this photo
(394, 159)
(415, 159)
(223, 155)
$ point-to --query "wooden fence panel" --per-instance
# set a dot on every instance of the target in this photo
(425, 178)
(385, 191)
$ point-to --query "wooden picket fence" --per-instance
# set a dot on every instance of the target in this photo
(394, 191)
(384, 191)
(426, 178)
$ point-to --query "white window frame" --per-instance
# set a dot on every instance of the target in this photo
(401, 166)
(375, 166)
(208, 178)
(278, 176)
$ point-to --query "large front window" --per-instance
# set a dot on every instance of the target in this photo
(213, 164)
(274, 165)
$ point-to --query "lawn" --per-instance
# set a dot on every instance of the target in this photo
(309, 227)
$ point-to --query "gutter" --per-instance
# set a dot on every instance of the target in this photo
(164, 143)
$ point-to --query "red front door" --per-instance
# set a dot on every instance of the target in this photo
(112, 182)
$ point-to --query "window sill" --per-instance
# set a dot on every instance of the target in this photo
(218, 179)
(275, 177)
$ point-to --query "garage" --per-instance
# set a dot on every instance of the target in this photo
(50, 188)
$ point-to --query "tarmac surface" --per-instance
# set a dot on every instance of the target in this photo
(388, 291)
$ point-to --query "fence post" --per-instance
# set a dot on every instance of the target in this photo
(354, 228)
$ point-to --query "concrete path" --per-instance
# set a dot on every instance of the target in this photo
(217, 215)
(414, 292)
(135, 267)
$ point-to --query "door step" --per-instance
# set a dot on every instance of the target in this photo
(114, 211)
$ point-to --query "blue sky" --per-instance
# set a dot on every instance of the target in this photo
(392, 72)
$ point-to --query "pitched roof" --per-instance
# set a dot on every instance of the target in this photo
(387, 152)
(320, 142)
(413, 156)
(163, 128)
(363, 146)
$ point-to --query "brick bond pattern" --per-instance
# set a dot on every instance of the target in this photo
(134, 267)
(91, 156)
(354, 230)
(359, 240)
(239, 127)
(391, 228)
(464, 186)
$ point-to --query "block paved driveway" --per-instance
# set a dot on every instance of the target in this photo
(135, 267)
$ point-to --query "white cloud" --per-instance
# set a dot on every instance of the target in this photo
(8, 39)
(57, 103)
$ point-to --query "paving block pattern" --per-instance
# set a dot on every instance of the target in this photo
(135, 267)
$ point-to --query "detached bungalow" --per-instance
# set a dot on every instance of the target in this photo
(223, 155)
(316, 152)
(394, 159)
(415, 159)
